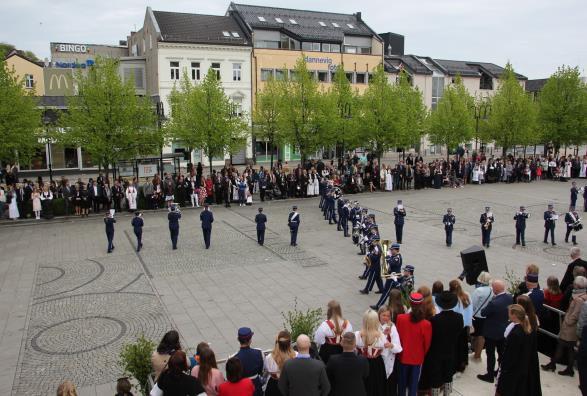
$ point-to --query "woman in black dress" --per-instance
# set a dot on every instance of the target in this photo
(85, 200)
(533, 381)
(371, 343)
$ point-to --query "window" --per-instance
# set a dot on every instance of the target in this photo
(293, 21)
(226, 34)
(29, 81)
(349, 49)
(306, 46)
(486, 82)
(437, 90)
(334, 47)
(364, 50)
(325, 47)
(322, 23)
(236, 71)
(216, 68)
(267, 44)
(280, 74)
(279, 20)
(335, 24)
(322, 76)
(361, 78)
(261, 19)
(294, 44)
(284, 42)
(237, 106)
(150, 42)
(144, 46)
(196, 71)
(136, 74)
(63, 157)
(266, 74)
(293, 75)
(174, 70)
(316, 47)
(235, 34)
(349, 76)
(350, 25)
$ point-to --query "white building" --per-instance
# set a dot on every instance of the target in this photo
(173, 43)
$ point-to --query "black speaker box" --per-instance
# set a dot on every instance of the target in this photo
(474, 262)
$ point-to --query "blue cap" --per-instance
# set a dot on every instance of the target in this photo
(395, 246)
(409, 268)
(245, 332)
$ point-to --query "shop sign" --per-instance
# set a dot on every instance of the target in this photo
(147, 170)
(77, 48)
(75, 64)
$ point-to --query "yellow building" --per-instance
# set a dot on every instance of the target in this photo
(29, 71)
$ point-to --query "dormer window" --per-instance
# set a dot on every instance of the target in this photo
(322, 23)
(350, 25)
(486, 81)
(235, 34)
(279, 20)
(261, 19)
(293, 21)
(226, 34)
(335, 24)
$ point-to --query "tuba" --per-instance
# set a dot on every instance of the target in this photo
(385, 245)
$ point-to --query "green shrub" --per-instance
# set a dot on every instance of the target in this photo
(135, 360)
(302, 322)
(512, 280)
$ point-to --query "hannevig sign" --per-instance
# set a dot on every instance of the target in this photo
(77, 48)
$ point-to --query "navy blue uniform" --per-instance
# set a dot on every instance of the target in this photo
(260, 219)
(252, 362)
(293, 221)
(394, 264)
(549, 225)
(399, 223)
(344, 220)
(339, 206)
(574, 195)
(137, 225)
(374, 273)
(571, 218)
(449, 221)
(207, 218)
(173, 218)
(109, 222)
(486, 226)
(520, 218)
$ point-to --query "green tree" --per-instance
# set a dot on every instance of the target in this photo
(513, 114)
(381, 117)
(414, 112)
(19, 118)
(6, 48)
(344, 100)
(108, 119)
(562, 106)
(266, 115)
(202, 116)
(452, 123)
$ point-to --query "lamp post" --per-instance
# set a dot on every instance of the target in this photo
(482, 111)
(48, 142)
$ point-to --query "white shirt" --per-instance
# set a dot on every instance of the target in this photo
(324, 331)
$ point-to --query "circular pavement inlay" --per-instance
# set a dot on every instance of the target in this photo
(557, 250)
(79, 335)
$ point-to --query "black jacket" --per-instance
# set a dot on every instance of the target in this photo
(260, 219)
(568, 277)
(496, 316)
(513, 370)
(347, 373)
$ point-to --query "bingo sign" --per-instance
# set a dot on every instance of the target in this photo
(147, 170)
(75, 48)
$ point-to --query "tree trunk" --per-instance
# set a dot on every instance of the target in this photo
(210, 159)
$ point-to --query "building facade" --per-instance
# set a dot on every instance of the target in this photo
(30, 72)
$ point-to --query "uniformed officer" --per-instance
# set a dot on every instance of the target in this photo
(344, 218)
(520, 218)
(322, 192)
(339, 206)
(260, 219)
(355, 214)
(293, 221)
(331, 214)
(394, 263)
(550, 218)
(207, 218)
(574, 195)
(399, 212)
(486, 221)
(251, 359)
(109, 221)
(374, 270)
(137, 225)
(449, 221)
(573, 222)
(173, 216)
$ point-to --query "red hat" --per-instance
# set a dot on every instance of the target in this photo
(416, 298)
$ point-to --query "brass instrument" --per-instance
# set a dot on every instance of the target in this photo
(488, 221)
(367, 261)
(385, 245)
(337, 192)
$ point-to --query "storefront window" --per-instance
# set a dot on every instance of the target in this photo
(38, 161)
(87, 159)
(63, 157)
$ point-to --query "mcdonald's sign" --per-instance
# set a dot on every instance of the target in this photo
(58, 82)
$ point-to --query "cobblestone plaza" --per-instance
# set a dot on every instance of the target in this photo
(68, 307)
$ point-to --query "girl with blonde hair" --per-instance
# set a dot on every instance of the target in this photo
(329, 333)
(282, 351)
(66, 388)
(465, 308)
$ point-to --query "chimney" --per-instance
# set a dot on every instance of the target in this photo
(358, 14)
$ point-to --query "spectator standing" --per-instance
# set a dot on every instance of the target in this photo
(131, 197)
(36, 203)
(395, 305)
(123, 387)
(329, 334)
(496, 320)
(66, 388)
(553, 294)
(533, 383)
(174, 380)
(160, 357)
(393, 347)
(481, 297)
(236, 385)
(348, 372)
(47, 203)
(577, 262)
(465, 308)
(273, 364)
(304, 376)
(207, 372)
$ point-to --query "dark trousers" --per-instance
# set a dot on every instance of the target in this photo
(96, 204)
(321, 201)
(389, 284)
(345, 226)
(207, 233)
(139, 235)
(67, 204)
(174, 233)
(116, 204)
(569, 230)
(294, 235)
(374, 277)
(448, 232)
(262, 193)
(492, 346)
(485, 236)
(409, 375)
(260, 237)
(110, 237)
(227, 199)
(520, 236)
(565, 348)
(551, 231)
(339, 222)
(241, 197)
(399, 232)
(582, 364)
(148, 198)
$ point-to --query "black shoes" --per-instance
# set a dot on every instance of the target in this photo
(363, 291)
(567, 372)
(374, 307)
(486, 377)
(548, 367)
(378, 292)
(362, 277)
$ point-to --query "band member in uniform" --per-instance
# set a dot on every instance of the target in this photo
(137, 225)
(329, 333)
(573, 225)
(207, 218)
(399, 212)
(550, 218)
(339, 206)
(330, 202)
(574, 195)
(486, 221)
(394, 261)
(449, 221)
(344, 217)
(520, 218)
(109, 221)
(293, 221)
(173, 216)
(374, 272)
(260, 219)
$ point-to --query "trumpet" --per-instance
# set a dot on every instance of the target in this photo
(488, 221)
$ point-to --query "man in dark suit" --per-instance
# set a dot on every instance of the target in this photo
(260, 219)
(568, 277)
(496, 320)
(117, 195)
(293, 221)
(207, 218)
(348, 371)
(96, 196)
(399, 212)
(304, 376)
(109, 221)
(550, 218)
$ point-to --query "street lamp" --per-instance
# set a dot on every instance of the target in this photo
(482, 111)
(47, 140)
